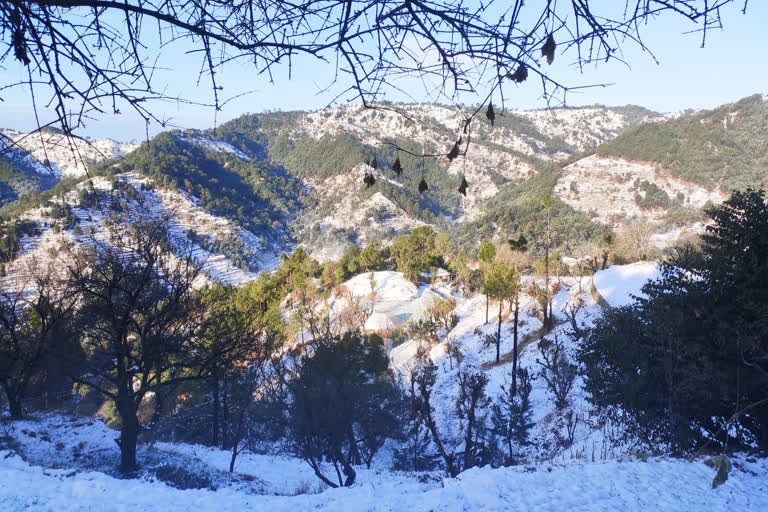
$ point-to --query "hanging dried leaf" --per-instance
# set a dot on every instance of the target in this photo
(463, 186)
(454, 152)
(397, 167)
(369, 180)
(373, 163)
(20, 47)
(548, 50)
(490, 114)
(423, 186)
(520, 74)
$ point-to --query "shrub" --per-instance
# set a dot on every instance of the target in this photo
(181, 478)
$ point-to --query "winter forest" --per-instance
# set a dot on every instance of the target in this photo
(456, 299)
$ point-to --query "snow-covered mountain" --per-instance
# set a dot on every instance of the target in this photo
(51, 152)
(286, 179)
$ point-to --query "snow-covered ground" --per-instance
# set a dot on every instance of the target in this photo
(64, 462)
(618, 284)
(283, 484)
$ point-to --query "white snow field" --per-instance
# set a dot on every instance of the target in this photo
(655, 485)
(63, 462)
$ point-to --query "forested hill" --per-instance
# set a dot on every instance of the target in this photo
(274, 180)
(251, 192)
(18, 179)
(725, 147)
(326, 150)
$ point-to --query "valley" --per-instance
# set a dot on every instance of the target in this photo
(291, 323)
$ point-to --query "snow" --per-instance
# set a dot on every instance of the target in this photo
(618, 283)
(221, 147)
(69, 461)
(396, 299)
(656, 484)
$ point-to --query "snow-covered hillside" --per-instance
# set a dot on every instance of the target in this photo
(65, 156)
(496, 152)
(184, 217)
(62, 462)
(608, 187)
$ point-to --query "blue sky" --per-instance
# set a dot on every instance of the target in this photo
(731, 66)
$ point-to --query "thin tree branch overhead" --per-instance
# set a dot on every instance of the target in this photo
(96, 55)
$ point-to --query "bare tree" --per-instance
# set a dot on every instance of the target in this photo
(139, 320)
(423, 381)
(633, 242)
(471, 407)
(35, 309)
(556, 370)
(97, 56)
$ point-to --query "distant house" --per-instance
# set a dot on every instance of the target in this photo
(441, 276)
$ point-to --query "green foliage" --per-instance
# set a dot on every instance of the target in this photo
(344, 404)
(683, 360)
(512, 415)
(18, 180)
(517, 210)
(416, 253)
(253, 193)
(181, 478)
(500, 282)
(416, 454)
(9, 237)
(295, 271)
(725, 146)
(487, 253)
(652, 197)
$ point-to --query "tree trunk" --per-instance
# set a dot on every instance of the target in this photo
(225, 437)
(129, 433)
(216, 421)
(236, 442)
(45, 390)
(498, 332)
(546, 274)
(514, 347)
(487, 302)
(14, 396)
(468, 444)
(349, 472)
(14, 406)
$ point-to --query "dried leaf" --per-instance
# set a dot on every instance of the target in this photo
(520, 74)
(463, 186)
(369, 180)
(423, 186)
(397, 167)
(548, 50)
(20, 47)
(373, 163)
(490, 114)
(454, 152)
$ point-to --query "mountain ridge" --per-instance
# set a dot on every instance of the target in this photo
(295, 178)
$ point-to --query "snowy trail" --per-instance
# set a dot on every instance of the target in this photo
(661, 485)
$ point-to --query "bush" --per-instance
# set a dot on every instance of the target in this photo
(681, 364)
(181, 478)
